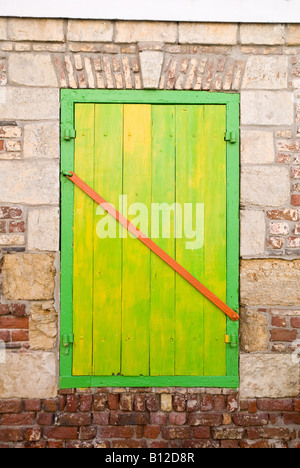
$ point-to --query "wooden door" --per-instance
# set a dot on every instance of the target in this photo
(132, 314)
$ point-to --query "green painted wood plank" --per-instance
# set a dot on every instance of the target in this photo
(162, 332)
(83, 243)
(136, 257)
(215, 238)
(107, 314)
(190, 178)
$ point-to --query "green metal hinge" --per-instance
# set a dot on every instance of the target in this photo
(69, 133)
(232, 340)
(67, 340)
(231, 137)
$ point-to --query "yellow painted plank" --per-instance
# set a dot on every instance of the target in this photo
(162, 333)
(107, 314)
(215, 238)
(83, 257)
(136, 257)
(190, 184)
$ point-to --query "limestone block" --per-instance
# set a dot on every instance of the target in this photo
(132, 31)
(268, 376)
(257, 147)
(43, 326)
(265, 186)
(26, 29)
(270, 282)
(253, 331)
(293, 34)
(266, 73)
(3, 28)
(29, 103)
(28, 277)
(253, 233)
(28, 375)
(264, 34)
(41, 141)
(208, 33)
(31, 182)
(14, 239)
(32, 70)
(267, 108)
(90, 31)
(151, 64)
(43, 229)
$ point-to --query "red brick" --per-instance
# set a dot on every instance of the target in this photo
(219, 402)
(19, 310)
(192, 403)
(126, 403)
(200, 444)
(33, 434)
(256, 445)
(1, 145)
(200, 419)
(179, 403)
(291, 418)
(74, 419)
(113, 401)
(16, 226)
(119, 444)
(4, 309)
(139, 403)
(295, 322)
(85, 403)
(287, 214)
(14, 322)
(32, 405)
(295, 200)
(50, 405)
(151, 432)
(252, 407)
(202, 432)
(171, 433)
(158, 418)
(55, 445)
(11, 434)
(61, 433)
(206, 403)
(72, 403)
(279, 322)
(278, 334)
(297, 404)
(19, 419)
(44, 419)
(99, 402)
(242, 419)
(101, 418)
(5, 335)
(129, 419)
(276, 433)
(230, 444)
(87, 433)
(116, 432)
(19, 335)
(152, 402)
(158, 445)
(10, 406)
(177, 419)
(275, 405)
(2, 227)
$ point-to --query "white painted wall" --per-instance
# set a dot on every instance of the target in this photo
(247, 11)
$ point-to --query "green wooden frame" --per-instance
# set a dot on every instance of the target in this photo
(68, 100)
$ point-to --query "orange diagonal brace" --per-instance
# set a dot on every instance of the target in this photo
(153, 247)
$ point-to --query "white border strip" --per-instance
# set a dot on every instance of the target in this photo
(241, 11)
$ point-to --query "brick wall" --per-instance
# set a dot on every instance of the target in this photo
(262, 62)
(146, 419)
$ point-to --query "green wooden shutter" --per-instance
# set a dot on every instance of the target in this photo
(134, 320)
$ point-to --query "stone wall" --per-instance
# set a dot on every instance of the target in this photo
(262, 62)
